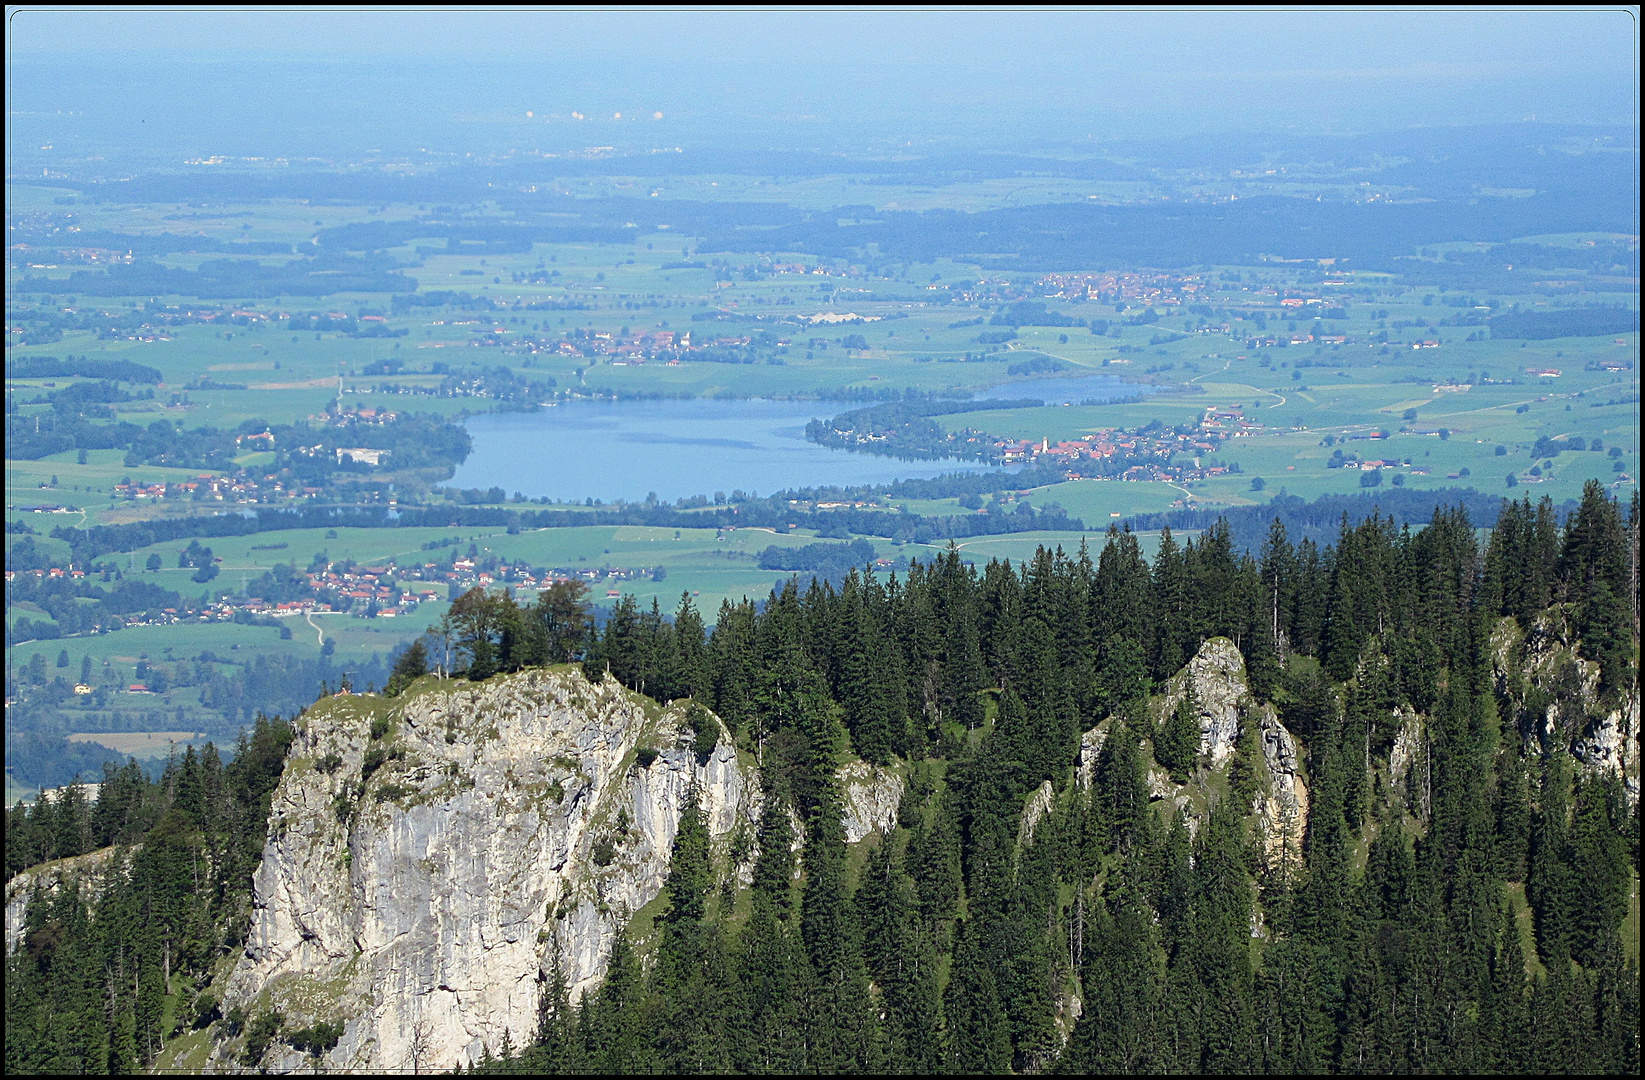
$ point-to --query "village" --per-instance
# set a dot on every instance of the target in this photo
(1146, 454)
(387, 590)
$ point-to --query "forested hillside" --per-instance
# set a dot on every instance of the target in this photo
(1371, 806)
(111, 963)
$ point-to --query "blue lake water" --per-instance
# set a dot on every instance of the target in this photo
(628, 449)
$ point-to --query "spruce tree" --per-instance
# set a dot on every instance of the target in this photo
(1169, 599)
(1177, 746)
(844, 1034)
(979, 1040)
(1122, 984)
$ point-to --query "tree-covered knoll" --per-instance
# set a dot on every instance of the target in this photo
(1391, 941)
(1454, 900)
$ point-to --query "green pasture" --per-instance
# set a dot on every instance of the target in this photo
(122, 649)
(85, 487)
(1095, 502)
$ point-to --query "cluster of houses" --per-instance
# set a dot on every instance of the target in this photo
(52, 572)
(1152, 453)
(802, 268)
(389, 590)
(204, 486)
(94, 256)
(1272, 341)
(223, 489)
(352, 416)
(1147, 289)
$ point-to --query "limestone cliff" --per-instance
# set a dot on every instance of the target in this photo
(1033, 812)
(427, 858)
(1217, 675)
(870, 794)
(1282, 802)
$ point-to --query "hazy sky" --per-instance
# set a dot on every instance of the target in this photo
(833, 78)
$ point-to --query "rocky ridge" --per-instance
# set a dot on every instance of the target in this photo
(1540, 670)
(1216, 677)
(88, 871)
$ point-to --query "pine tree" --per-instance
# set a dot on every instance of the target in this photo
(1599, 854)
(844, 1035)
(1123, 983)
(1178, 745)
(868, 698)
(979, 1039)
(1513, 816)
(769, 1022)
(688, 670)
(1120, 789)
(1247, 772)
(900, 962)
(1553, 885)
(1170, 598)
(1222, 943)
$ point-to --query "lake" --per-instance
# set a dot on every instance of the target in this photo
(609, 450)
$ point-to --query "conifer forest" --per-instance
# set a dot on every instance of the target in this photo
(1080, 878)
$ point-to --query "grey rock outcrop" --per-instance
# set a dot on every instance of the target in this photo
(1090, 749)
(1406, 753)
(1611, 743)
(871, 795)
(1222, 693)
(1217, 676)
(1408, 758)
(1033, 812)
(1282, 802)
(505, 822)
(1601, 732)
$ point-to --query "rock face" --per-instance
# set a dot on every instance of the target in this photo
(1091, 749)
(89, 871)
(1217, 676)
(1611, 742)
(1033, 812)
(1600, 732)
(1282, 804)
(1406, 752)
(871, 794)
(1407, 758)
(508, 821)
